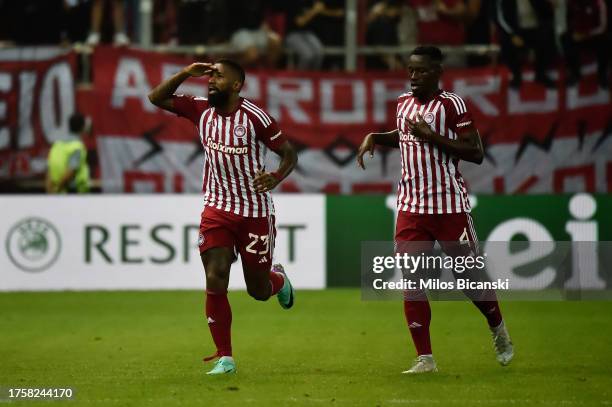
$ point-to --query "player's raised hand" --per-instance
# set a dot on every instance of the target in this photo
(367, 145)
(264, 181)
(419, 127)
(200, 69)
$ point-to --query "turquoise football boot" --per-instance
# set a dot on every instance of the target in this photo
(224, 365)
(286, 295)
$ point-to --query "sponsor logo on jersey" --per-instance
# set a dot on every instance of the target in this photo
(464, 124)
(200, 239)
(407, 137)
(33, 244)
(222, 148)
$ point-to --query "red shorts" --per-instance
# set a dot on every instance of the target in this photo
(456, 235)
(451, 230)
(252, 238)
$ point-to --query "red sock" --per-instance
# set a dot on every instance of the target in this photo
(418, 317)
(219, 316)
(276, 281)
(491, 311)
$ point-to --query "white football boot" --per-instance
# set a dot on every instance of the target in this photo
(503, 344)
(423, 364)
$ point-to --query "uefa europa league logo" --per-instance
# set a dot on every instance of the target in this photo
(33, 244)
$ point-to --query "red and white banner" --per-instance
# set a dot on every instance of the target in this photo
(537, 140)
(36, 99)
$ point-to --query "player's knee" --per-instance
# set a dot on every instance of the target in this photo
(217, 270)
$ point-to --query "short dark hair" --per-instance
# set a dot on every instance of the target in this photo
(235, 66)
(434, 53)
(76, 123)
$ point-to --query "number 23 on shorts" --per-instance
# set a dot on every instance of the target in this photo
(259, 244)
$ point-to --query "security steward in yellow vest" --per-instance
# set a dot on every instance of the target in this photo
(67, 169)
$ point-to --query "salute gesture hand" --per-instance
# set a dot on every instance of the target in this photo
(200, 69)
(420, 128)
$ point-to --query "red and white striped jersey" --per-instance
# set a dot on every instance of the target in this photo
(235, 146)
(431, 182)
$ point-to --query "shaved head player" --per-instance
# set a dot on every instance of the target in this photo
(238, 215)
(434, 131)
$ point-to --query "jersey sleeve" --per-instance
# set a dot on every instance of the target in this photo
(464, 123)
(268, 132)
(462, 120)
(189, 107)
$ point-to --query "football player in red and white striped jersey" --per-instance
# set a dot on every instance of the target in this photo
(238, 215)
(434, 132)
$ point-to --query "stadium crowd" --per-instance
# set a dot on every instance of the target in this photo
(263, 32)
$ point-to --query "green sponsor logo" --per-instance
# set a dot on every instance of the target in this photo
(33, 244)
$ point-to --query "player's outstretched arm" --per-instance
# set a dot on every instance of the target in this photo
(265, 181)
(467, 146)
(389, 139)
(161, 95)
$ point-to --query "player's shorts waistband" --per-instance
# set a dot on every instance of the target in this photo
(229, 213)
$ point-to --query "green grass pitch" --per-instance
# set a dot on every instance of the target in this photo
(145, 349)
